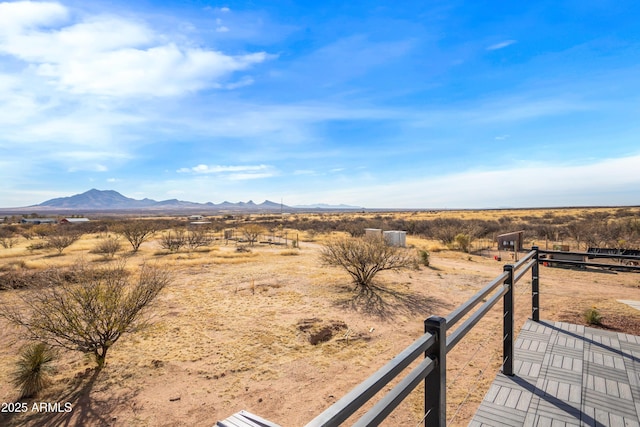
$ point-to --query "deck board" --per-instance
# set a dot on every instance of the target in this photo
(566, 375)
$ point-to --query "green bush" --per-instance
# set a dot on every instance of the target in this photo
(33, 368)
(424, 257)
(592, 316)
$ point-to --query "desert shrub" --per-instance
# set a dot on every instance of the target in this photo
(363, 258)
(137, 231)
(173, 241)
(89, 310)
(251, 233)
(592, 316)
(292, 252)
(424, 257)
(32, 371)
(62, 238)
(197, 238)
(42, 230)
(20, 278)
(8, 238)
(463, 241)
(37, 246)
(107, 247)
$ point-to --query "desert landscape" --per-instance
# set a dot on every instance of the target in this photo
(265, 326)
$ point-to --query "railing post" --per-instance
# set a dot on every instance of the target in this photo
(535, 287)
(435, 384)
(507, 344)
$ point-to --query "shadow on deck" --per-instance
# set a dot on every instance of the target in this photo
(566, 375)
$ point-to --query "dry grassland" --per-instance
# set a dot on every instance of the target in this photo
(226, 335)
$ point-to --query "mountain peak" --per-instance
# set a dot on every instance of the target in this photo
(108, 200)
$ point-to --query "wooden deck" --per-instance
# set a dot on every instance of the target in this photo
(567, 375)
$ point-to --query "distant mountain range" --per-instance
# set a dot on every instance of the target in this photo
(110, 200)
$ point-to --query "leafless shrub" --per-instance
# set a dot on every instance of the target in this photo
(197, 238)
(137, 231)
(7, 238)
(173, 241)
(251, 232)
(91, 315)
(107, 247)
(61, 239)
(365, 257)
(37, 246)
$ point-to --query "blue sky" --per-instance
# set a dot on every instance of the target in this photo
(434, 104)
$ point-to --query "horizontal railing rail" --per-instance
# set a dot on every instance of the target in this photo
(434, 344)
(549, 258)
(349, 404)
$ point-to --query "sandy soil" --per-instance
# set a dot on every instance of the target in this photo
(227, 336)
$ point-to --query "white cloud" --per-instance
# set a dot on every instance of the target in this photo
(501, 45)
(232, 173)
(222, 29)
(27, 14)
(246, 176)
(304, 172)
(245, 81)
(206, 169)
(110, 55)
(159, 71)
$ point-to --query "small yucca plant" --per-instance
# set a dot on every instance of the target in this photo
(424, 257)
(33, 368)
(592, 316)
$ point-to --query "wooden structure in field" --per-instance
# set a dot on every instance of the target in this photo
(511, 242)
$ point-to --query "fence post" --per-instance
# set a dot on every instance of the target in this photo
(507, 343)
(535, 287)
(435, 384)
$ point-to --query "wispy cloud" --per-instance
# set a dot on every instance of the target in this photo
(232, 173)
(207, 169)
(501, 45)
(523, 185)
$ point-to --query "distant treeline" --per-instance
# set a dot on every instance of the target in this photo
(618, 228)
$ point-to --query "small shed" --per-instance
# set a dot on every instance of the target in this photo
(395, 238)
(196, 218)
(373, 232)
(511, 241)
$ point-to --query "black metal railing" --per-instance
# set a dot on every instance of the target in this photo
(435, 343)
(579, 260)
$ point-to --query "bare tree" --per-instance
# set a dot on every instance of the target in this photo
(365, 257)
(61, 239)
(251, 232)
(137, 231)
(91, 315)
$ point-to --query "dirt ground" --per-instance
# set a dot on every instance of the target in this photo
(232, 332)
